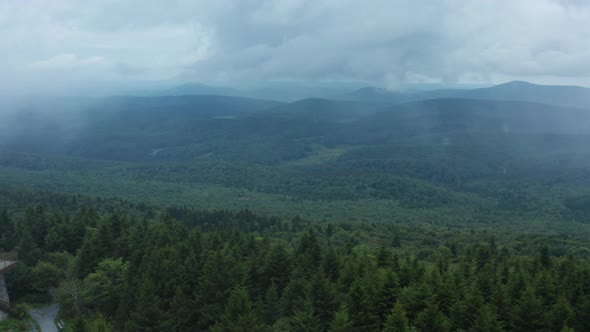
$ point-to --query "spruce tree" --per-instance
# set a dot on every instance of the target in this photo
(324, 299)
(562, 314)
(486, 320)
(271, 306)
(396, 320)
(305, 320)
(341, 321)
(432, 319)
(528, 313)
(239, 315)
(362, 309)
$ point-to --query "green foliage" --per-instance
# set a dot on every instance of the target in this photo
(396, 320)
(15, 325)
(150, 269)
(437, 215)
(362, 307)
(529, 313)
(239, 315)
(103, 288)
(487, 320)
(341, 321)
(432, 319)
(305, 319)
(45, 275)
(99, 325)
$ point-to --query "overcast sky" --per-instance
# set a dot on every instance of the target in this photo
(391, 43)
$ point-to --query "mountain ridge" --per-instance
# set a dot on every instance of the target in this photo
(560, 95)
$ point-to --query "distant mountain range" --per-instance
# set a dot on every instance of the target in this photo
(195, 120)
(187, 127)
(573, 96)
(195, 89)
(282, 91)
(418, 146)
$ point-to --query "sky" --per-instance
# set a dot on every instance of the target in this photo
(65, 44)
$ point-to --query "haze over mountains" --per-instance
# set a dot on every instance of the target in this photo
(190, 113)
(295, 165)
(516, 90)
(573, 96)
(446, 144)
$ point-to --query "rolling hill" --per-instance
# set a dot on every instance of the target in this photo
(485, 158)
(569, 96)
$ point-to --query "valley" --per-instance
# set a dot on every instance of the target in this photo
(354, 197)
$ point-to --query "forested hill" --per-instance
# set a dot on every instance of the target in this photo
(119, 266)
(185, 213)
(512, 164)
(569, 96)
(184, 128)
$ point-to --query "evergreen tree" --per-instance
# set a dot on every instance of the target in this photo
(545, 287)
(341, 321)
(277, 268)
(502, 303)
(362, 309)
(387, 294)
(271, 306)
(78, 325)
(331, 264)
(102, 289)
(6, 231)
(459, 316)
(239, 315)
(582, 309)
(309, 252)
(396, 242)
(561, 315)
(323, 298)
(432, 319)
(100, 325)
(486, 320)
(148, 315)
(305, 319)
(183, 309)
(528, 313)
(293, 296)
(544, 257)
(89, 255)
(384, 257)
(396, 320)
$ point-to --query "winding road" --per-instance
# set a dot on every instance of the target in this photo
(45, 316)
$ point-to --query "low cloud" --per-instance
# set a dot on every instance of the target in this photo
(67, 61)
(387, 42)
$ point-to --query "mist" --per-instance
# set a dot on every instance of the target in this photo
(294, 165)
(148, 82)
(68, 48)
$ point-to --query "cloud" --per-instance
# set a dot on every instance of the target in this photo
(395, 42)
(387, 42)
(67, 61)
(126, 69)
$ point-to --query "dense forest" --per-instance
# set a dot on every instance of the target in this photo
(518, 165)
(294, 166)
(195, 213)
(120, 266)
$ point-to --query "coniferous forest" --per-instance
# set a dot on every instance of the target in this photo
(294, 166)
(119, 266)
(215, 213)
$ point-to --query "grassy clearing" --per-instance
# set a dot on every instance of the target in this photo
(319, 156)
